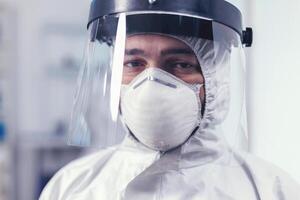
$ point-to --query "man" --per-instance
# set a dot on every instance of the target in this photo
(168, 74)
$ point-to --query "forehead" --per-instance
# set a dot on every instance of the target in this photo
(153, 41)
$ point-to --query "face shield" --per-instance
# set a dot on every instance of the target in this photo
(157, 73)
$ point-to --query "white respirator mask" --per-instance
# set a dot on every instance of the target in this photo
(160, 110)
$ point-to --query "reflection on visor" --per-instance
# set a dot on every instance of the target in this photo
(117, 67)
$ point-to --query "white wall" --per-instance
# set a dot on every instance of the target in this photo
(274, 81)
(34, 17)
(39, 98)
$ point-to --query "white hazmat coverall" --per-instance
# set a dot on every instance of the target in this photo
(203, 168)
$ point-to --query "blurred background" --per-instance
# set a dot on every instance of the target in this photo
(41, 46)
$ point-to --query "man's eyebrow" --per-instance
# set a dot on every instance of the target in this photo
(135, 51)
(171, 51)
(177, 51)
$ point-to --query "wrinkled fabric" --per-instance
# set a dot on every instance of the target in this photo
(203, 168)
(132, 171)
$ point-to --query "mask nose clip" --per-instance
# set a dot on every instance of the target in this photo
(152, 78)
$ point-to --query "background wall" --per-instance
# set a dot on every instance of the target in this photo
(41, 47)
(273, 83)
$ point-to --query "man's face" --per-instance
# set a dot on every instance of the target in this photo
(166, 53)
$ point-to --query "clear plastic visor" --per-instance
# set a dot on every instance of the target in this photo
(190, 51)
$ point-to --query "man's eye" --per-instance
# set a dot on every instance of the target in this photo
(182, 65)
(134, 64)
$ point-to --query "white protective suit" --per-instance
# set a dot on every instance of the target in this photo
(203, 168)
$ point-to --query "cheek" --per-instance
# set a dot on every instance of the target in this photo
(202, 94)
(125, 80)
(192, 78)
